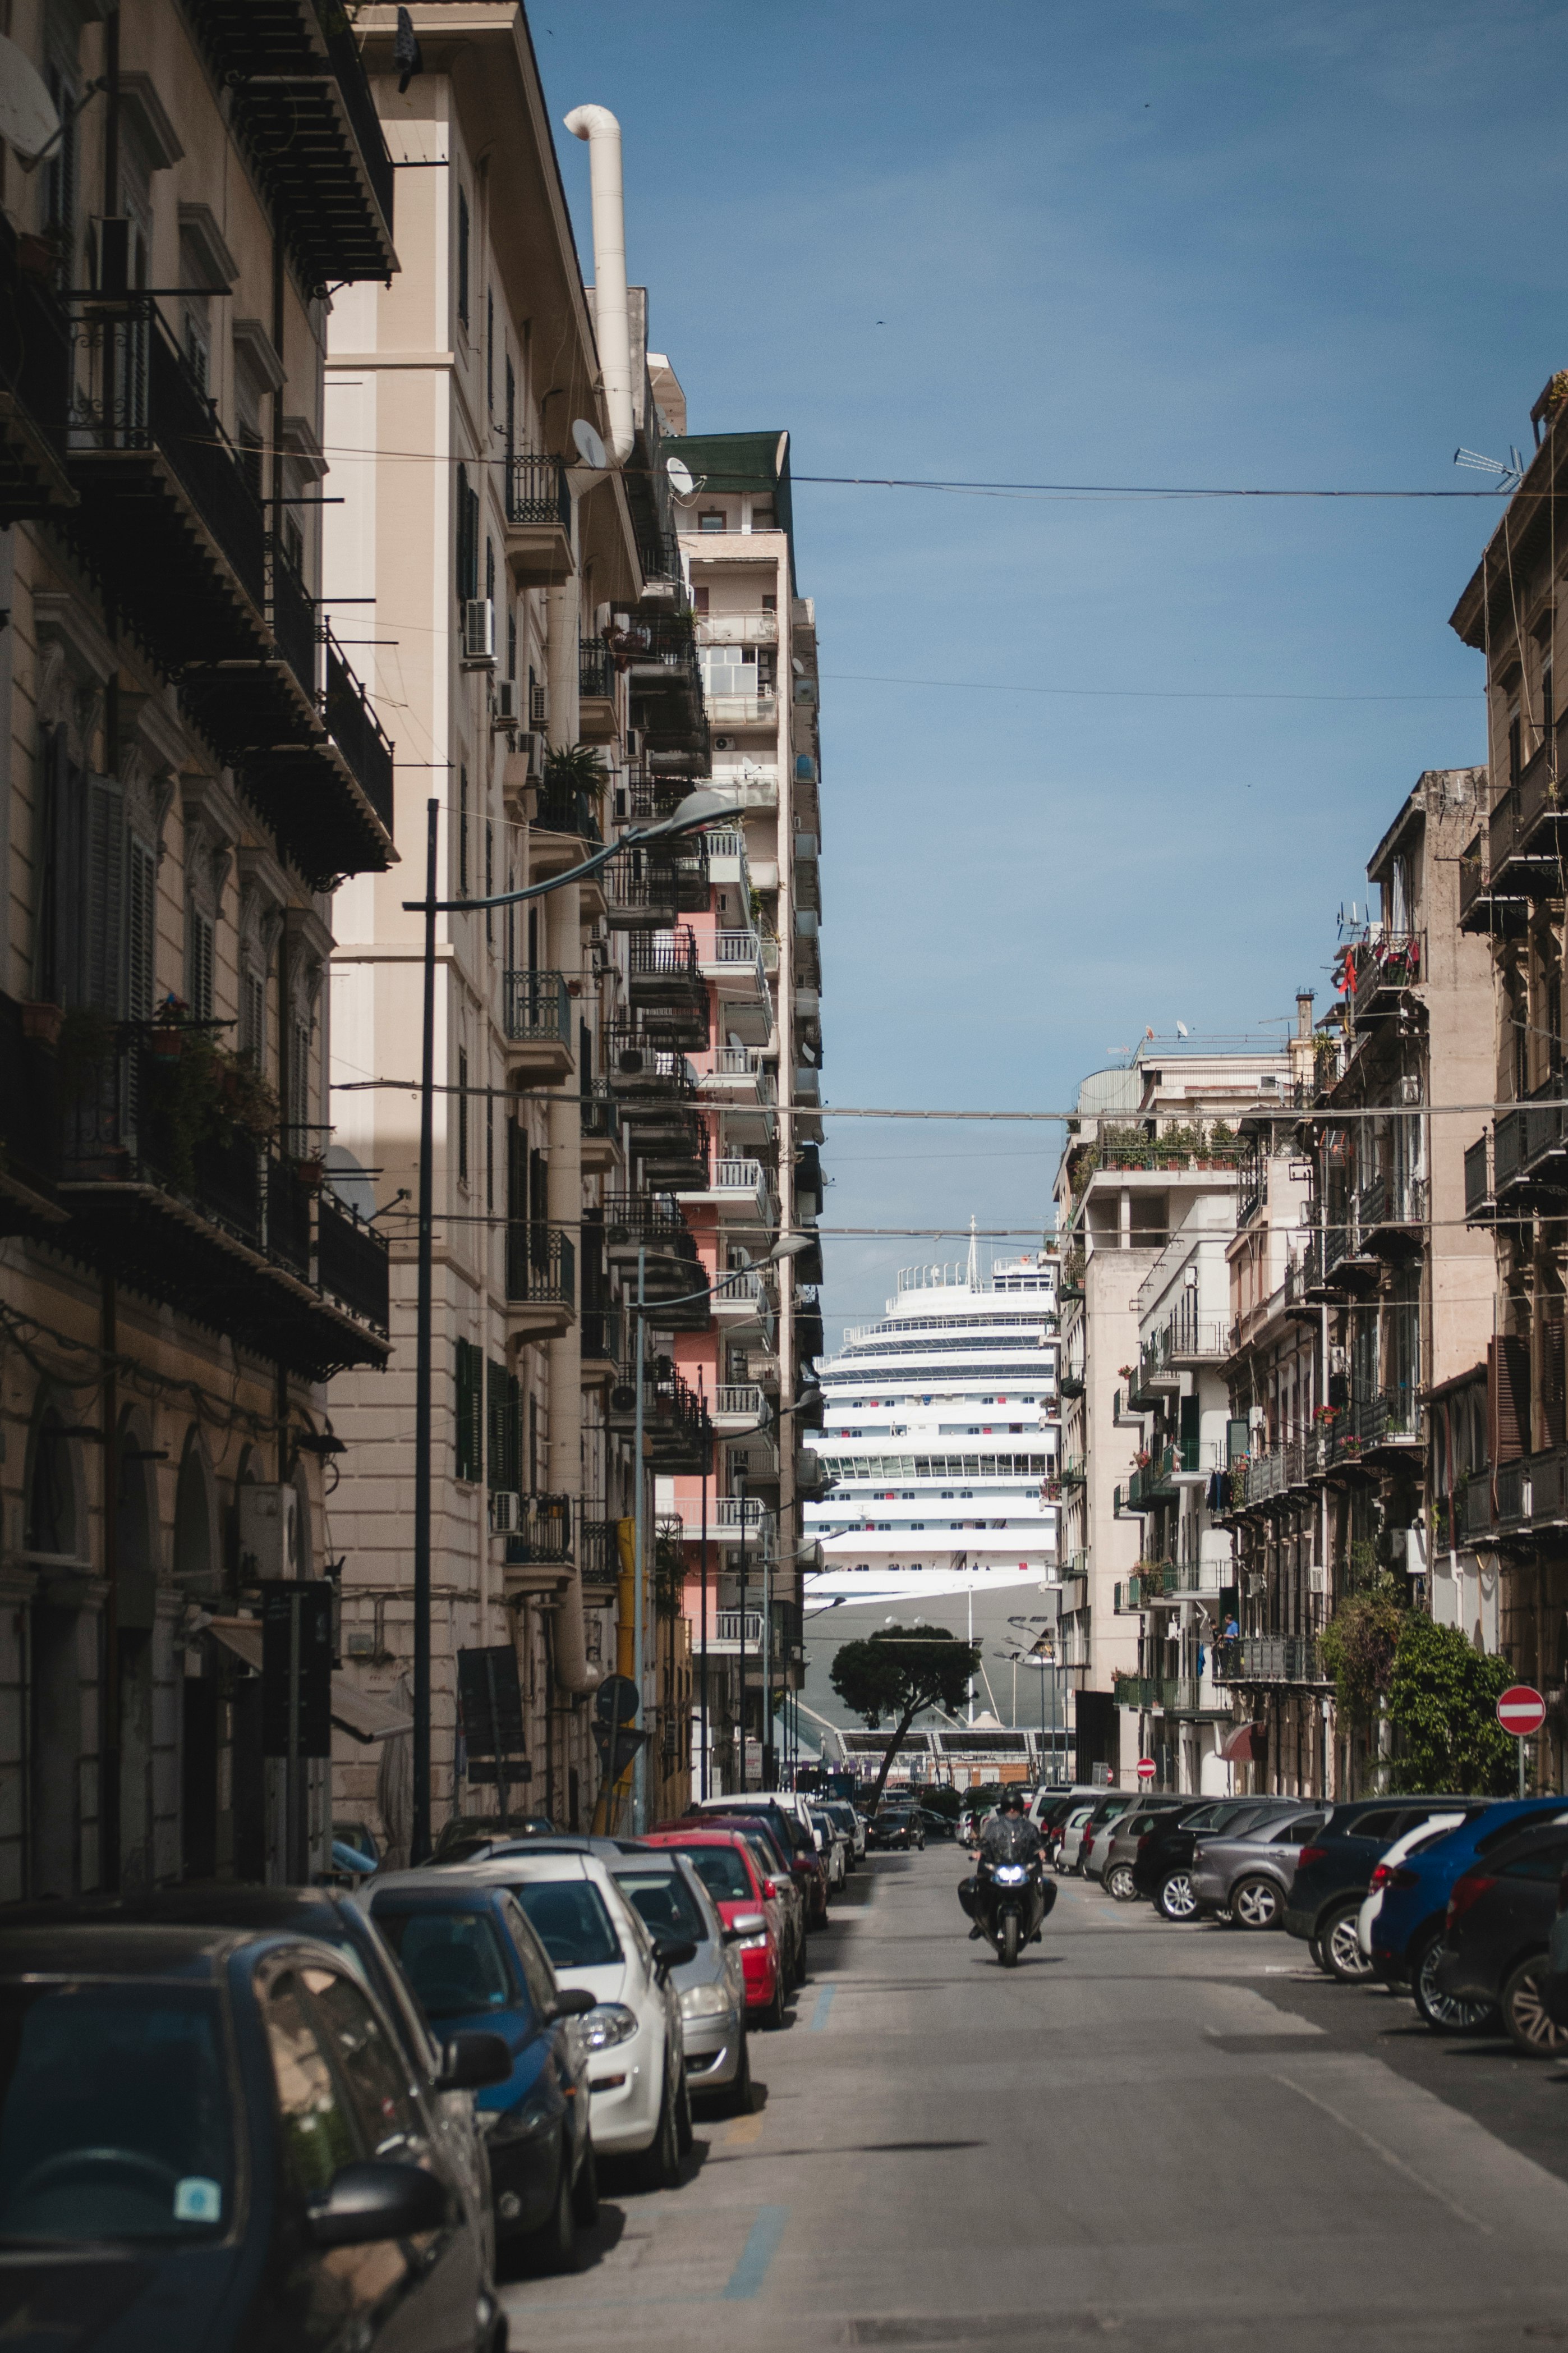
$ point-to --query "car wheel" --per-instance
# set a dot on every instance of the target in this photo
(1257, 1903)
(683, 2132)
(553, 2246)
(585, 2195)
(1442, 2013)
(1176, 1900)
(740, 2100)
(1119, 1883)
(773, 2016)
(1531, 2029)
(1340, 1953)
(658, 2166)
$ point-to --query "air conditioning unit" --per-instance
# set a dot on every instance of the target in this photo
(506, 1513)
(505, 709)
(723, 743)
(1317, 1579)
(478, 633)
(268, 1532)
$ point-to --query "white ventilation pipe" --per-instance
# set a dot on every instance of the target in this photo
(612, 316)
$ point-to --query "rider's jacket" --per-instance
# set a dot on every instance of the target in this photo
(1010, 1838)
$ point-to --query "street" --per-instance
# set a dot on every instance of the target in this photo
(1180, 2136)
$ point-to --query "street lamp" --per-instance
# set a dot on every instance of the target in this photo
(695, 811)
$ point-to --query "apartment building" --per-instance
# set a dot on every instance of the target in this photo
(742, 1539)
(1331, 1471)
(190, 763)
(1501, 1479)
(1145, 1194)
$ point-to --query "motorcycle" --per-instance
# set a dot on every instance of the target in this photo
(1009, 1901)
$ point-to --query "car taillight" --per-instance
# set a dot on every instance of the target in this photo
(1468, 1891)
(1145, 1841)
(1392, 1874)
(1310, 1854)
(1087, 1843)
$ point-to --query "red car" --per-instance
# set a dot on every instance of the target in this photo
(728, 1869)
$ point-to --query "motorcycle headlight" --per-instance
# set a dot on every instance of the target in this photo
(1010, 1875)
(704, 2001)
(608, 2023)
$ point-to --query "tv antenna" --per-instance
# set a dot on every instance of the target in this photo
(1509, 476)
(683, 484)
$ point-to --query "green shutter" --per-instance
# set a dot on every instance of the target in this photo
(502, 1410)
(470, 1411)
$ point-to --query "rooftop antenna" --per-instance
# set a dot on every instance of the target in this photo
(1509, 476)
(973, 1271)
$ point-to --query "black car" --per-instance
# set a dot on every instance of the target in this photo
(199, 2131)
(897, 1826)
(1497, 1933)
(1160, 1870)
(1334, 1876)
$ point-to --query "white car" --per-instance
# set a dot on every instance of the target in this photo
(639, 2104)
(673, 1903)
(1435, 1826)
(852, 1822)
(833, 1846)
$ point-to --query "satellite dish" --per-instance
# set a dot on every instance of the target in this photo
(28, 116)
(681, 480)
(590, 449)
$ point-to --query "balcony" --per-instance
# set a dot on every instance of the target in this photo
(737, 1189)
(539, 540)
(600, 1328)
(672, 1149)
(600, 1119)
(1258, 1659)
(570, 811)
(1390, 1424)
(596, 720)
(212, 1224)
(303, 112)
(735, 711)
(677, 1437)
(1489, 903)
(734, 959)
(358, 735)
(599, 1559)
(540, 1281)
(738, 1406)
(1518, 1504)
(35, 382)
(640, 1226)
(658, 560)
(645, 1077)
(543, 1531)
(29, 1126)
(665, 683)
(1381, 967)
(536, 1012)
(741, 1519)
(737, 628)
(639, 890)
(741, 1298)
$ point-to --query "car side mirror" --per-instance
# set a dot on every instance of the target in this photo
(770, 1890)
(379, 2198)
(470, 2062)
(746, 1923)
(571, 2002)
(673, 1952)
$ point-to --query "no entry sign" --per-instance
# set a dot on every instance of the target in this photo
(1147, 1769)
(1520, 1710)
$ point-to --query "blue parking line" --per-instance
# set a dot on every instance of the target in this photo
(762, 2245)
(823, 2004)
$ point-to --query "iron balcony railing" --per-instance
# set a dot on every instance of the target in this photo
(537, 1008)
(34, 376)
(666, 957)
(536, 492)
(1268, 1658)
(291, 615)
(600, 1116)
(658, 555)
(541, 1265)
(544, 1532)
(600, 1329)
(358, 733)
(566, 808)
(595, 669)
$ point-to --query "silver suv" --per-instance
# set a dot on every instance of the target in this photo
(1249, 1875)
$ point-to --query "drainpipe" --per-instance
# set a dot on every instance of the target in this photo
(612, 322)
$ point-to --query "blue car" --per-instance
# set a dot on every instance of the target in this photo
(1407, 1930)
(475, 1964)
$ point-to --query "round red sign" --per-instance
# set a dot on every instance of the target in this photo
(1520, 1710)
(1147, 1769)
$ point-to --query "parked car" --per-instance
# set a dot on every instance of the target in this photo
(852, 1824)
(1404, 1928)
(833, 1847)
(1067, 1836)
(1249, 1874)
(897, 1827)
(1163, 1869)
(1096, 1830)
(354, 1851)
(1497, 1935)
(748, 1902)
(638, 2104)
(475, 1964)
(1130, 1834)
(1554, 1985)
(340, 1917)
(772, 1862)
(675, 1905)
(198, 2122)
(465, 1834)
(788, 1817)
(1335, 1872)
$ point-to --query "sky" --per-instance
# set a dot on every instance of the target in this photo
(1092, 765)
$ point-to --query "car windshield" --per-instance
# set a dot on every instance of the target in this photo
(453, 1960)
(665, 1902)
(114, 2113)
(723, 1871)
(569, 1917)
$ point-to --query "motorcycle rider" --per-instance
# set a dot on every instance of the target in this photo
(1009, 1836)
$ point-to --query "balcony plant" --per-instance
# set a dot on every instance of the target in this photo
(200, 1093)
(575, 768)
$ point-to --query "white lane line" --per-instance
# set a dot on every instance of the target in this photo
(1381, 2148)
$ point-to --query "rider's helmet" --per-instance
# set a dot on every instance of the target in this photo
(1011, 1801)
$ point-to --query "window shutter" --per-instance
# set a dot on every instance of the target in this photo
(470, 1411)
(516, 1172)
(537, 1208)
(140, 931)
(1552, 1380)
(103, 973)
(1508, 1396)
(199, 964)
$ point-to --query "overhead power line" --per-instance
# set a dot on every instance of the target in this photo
(1135, 693)
(1114, 489)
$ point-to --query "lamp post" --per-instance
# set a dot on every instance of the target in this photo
(695, 811)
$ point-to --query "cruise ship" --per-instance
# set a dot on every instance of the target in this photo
(940, 1429)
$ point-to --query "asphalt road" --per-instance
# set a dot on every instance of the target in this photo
(1184, 2138)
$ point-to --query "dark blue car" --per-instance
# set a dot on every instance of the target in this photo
(476, 1965)
(1407, 1932)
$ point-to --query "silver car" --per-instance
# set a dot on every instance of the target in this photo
(1249, 1874)
(1096, 1833)
(665, 1891)
(853, 1826)
(833, 1846)
(1113, 1858)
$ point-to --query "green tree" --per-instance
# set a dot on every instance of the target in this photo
(1442, 1702)
(894, 1677)
(1359, 1643)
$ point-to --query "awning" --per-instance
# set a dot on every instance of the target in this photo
(359, 1713)
(1246, 1745)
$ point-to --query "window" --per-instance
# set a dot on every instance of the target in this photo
(504, 1432)
(199, 964)
(536, 1968)
(569, 1917)
(1543, 1861)
(140, 930)
(489, 568)
(253, 1018)
(317, 2135)
(1548, 707)
(471, 1375)
(456, 1961)
(462, 833)
(1515, 747)
(711, 518)
(723, 1871)
(462, 1115)
(490, 1150)
(373, 2076)
(489, 880)
(491, 349)
(250, 459)
(62, 172)
(770, 602)
(699, 599)
(462, 256)
(664, 1903)
(468, 520)
(300, 1038)
(511, 643)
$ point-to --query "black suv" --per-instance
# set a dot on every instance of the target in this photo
(1160, 1867)
(1495, 1936)
(1334, 1876)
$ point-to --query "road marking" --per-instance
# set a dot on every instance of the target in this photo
(823, 2004)
(743, 2132)
(762, 2245)
(1381, 2148)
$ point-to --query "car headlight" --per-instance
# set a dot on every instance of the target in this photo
(511, 2124)
(608, 2023)
(704, 2001)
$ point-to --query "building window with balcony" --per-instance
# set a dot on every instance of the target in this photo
(711, 518)
(467, 519)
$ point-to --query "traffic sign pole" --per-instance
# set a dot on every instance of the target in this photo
(1522, 1711)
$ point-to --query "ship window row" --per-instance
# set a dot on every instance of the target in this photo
(985, 1368)
(868, 1333)
(860, 1349)
(937, 1466)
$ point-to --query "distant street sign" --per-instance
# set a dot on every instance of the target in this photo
(1520, 1710)
(617, 1702)
(1147, 1769)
